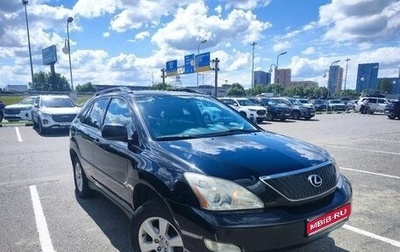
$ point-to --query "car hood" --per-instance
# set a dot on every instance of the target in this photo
(60, 111)
(255, 107)
(19, 106)
(246, 155)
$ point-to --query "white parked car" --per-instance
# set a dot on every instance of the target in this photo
(375, 104)
(20, 111)
(246, 107)
(53, 111)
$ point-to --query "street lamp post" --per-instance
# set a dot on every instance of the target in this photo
(25, 3)
(277, 67)
(197, 59)
(345, 76)
(252, 66)
(69, 20)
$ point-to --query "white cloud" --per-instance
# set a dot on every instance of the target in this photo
(310, 50)
(96, 8)
(142, 35)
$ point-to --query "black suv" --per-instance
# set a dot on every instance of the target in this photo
(190, 184)
(276, 110)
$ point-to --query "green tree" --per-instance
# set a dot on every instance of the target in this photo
(236, 90)
(88, 87)
(48, 82)
(385, 86)
(161, 86)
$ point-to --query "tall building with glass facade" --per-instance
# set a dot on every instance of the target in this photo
(335, 80)
(261, 78)
(367, 77)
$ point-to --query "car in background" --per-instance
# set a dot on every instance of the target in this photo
(20, 111)
(306, 102)
(392, 110)
(336, 105)
(276, 110)
(299, 111)
(191, 185)
(245, 106)
(53, 111)
(2, 105)
(375, 104)
(320, 105)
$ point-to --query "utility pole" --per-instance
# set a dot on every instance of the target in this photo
(216, 69)
(163, 75)
(252, 66)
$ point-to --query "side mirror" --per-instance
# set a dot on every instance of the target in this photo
(114, 132)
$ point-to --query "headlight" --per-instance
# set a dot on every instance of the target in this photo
(253, 109)
(220, 195)
(336, 169)
(45, 114)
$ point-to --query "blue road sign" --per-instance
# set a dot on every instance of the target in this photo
(171, 68)
(189, 64)
(49, 55)
(203, 62)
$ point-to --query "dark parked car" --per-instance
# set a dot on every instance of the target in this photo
(2, 105)
(298, 109)
(190, 184)
(392, 110)
(276, 110)
(320, 105)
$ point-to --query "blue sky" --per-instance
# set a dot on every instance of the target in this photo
(128, 42)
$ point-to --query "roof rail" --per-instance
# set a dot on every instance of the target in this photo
(111, 90)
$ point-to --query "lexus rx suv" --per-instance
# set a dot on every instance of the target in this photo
(189, 183)
(53, 111)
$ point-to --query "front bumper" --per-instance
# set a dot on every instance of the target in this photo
(257, 230)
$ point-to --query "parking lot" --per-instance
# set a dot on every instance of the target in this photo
(40, 211)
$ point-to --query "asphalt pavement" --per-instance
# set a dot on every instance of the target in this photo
(40, 212)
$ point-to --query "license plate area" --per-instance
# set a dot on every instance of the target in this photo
(322, 222)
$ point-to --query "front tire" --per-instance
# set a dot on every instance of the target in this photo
(153, 229)
(82, 188)
(41, 129)
(296, 115)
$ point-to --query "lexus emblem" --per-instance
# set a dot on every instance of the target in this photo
(315, 180)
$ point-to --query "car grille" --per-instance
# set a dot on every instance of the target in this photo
(295, 186)
(261, 112)
(12, 111)
(63, 118)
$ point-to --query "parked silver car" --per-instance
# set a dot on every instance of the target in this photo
(53, 111)
(20, 111)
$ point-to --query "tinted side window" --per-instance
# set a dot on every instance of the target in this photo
(94, 117)
(119, 113)
(373, 100)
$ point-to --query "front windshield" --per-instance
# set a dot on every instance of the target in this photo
(245, 102)
(28, 101)
(335, 101)
(181, 117)
(304, 101)
(57, 102)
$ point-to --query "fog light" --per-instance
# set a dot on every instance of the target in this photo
(221, 247)
(45, 121)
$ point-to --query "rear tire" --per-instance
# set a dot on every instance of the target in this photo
(153, 229)
(82, 188)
